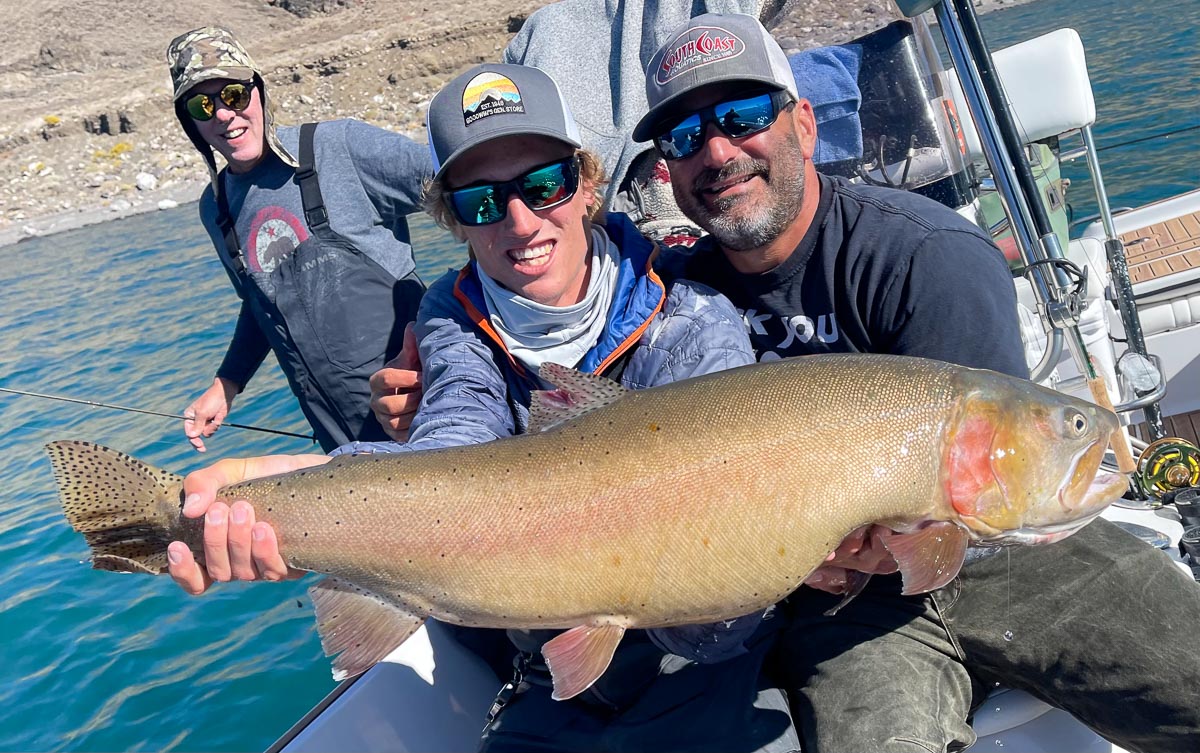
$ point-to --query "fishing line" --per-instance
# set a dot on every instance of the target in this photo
(95, 404)
(1185, 129)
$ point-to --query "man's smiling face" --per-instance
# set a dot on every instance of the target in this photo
(236, 134)
(744, 191)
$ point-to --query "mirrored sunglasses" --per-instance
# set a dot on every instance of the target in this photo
(540, 188)
(735, 118)
(236, 96)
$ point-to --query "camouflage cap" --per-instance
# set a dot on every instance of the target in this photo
(208, 53)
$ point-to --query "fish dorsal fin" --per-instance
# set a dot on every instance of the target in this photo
(930, 557)
(358, 626)
(579, 656)
(576, 394)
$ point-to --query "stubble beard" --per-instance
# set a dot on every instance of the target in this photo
(741, 223)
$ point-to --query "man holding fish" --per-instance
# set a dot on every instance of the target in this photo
(1096, 625)
(837, 268)
(739, 145)
(552, 279)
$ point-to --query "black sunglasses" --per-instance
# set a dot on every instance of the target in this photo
(735, 118)
(541, 188)
(235, 96)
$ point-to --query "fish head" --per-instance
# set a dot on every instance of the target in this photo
(1022, 463)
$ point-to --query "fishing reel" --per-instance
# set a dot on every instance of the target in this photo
(1166, 465)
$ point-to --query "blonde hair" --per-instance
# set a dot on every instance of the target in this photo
(433, 196)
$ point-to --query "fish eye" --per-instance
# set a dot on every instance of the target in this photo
(1077, 424)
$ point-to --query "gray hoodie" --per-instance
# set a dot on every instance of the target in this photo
(620, 38)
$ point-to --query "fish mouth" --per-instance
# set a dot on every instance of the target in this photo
(1104, 489)
(1032, 535)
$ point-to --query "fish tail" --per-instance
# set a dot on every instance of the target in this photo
(127, 511)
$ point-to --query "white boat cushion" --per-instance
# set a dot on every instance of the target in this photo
(1045, 79)
(1163, 316)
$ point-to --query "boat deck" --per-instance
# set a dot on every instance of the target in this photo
(1182, 425)
(1163, 249)
(1185, 426)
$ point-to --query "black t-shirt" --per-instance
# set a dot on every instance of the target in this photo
(879, 271)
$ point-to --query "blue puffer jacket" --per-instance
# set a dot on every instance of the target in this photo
(475, 392)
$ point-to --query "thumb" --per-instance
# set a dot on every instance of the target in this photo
(409, 357)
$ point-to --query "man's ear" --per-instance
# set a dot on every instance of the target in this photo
(805, 122)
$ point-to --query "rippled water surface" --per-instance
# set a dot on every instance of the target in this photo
(1144, 63)
(138, 312)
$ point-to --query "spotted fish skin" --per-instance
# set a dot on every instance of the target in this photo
(697, 501)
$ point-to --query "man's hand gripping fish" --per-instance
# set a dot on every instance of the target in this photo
(693, 502)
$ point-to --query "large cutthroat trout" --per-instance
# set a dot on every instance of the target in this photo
(697, 501)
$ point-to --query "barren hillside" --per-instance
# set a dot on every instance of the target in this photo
(86, 128)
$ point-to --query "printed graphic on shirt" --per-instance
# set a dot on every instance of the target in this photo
(490, 94)
(274, 235)
(774, 336)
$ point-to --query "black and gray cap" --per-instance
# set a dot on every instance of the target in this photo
(709, 49)
(494, 100)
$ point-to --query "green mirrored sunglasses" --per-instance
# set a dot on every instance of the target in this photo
(235, 96)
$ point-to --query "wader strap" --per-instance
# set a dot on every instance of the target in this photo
(306, 176)
(227, 227)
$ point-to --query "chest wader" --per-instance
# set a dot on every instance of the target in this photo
(333, 318)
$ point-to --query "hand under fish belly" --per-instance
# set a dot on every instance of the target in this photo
(693, 502)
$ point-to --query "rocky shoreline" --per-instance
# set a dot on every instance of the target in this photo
(87, 135)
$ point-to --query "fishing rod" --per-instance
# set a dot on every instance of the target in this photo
(95, 404)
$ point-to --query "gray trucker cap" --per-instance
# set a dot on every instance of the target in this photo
(708, 49)
(494, 100)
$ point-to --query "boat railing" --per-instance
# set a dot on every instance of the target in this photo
(1031, 92)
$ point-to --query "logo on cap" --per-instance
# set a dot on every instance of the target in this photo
(490, 94)
(698, 47)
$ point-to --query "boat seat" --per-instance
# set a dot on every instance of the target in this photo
(1045, 79)
(447, 715)
(1166, 316)
(1013, 720)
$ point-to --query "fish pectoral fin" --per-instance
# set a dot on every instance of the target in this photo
(856, 581)
(358, 626)
(930, 557)
(579, 656)
(577, 394)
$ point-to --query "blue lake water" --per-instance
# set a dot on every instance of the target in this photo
(1144, 63)
(138, 313)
